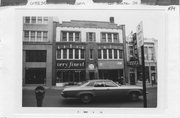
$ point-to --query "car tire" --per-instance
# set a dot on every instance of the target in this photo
(133, 96)
(86, 98)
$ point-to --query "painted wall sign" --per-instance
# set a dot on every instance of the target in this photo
(70, 64)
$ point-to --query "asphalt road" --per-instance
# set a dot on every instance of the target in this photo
(54, 99)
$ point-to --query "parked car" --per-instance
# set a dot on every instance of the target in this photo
(101, 88)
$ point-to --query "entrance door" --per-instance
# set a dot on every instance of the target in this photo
(91, 75)
(132, 78)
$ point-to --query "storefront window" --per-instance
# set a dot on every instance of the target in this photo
(35, 76)
(35, 55)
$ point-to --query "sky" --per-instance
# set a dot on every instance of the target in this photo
(153, 20)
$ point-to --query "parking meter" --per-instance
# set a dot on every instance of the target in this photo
(39, 92)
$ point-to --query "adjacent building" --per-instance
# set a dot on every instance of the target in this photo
(150, 55)
(38, 50)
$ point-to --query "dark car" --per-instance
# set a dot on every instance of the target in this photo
(101, 88)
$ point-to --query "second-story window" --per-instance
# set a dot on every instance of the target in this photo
(110, 53)
(45, 35)
(70, 53)
(70, 36)
(64, 53)
(26, 35)
(104, 53)
(32, 35)
(115, 54)
(82, 53)
(91, 53)
(33, 19)
(27, 19)
(39, 36)
(58, 54)
(99, 54)
(76, 53)
(120, 54)
(91, 37)
(151, 53)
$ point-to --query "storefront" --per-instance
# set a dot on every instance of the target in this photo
(111, 69)
(70, 71)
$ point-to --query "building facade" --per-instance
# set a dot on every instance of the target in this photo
(88, 50)
(38, 50)
(150, 55)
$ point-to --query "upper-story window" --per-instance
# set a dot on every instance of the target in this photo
(120, 54)
(35, 36)
(116, 39)
(36, 55)
(109, 37)
(115, 54)
(27, 19)
(103, 35)
(99, 54)
(36, 20)
(45, 20)
(39, 20)
(110, 53)
(145, 53)
(91, 53)
(70, 53)
(77, 36)
(26, 35)
(91, 37)
(70, 36)
(45, 35)
(64, 36)
(151, 53)
(33, 20)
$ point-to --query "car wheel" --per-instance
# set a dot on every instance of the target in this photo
(86, 98)
(134, 96)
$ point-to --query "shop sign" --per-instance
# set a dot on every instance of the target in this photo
(64, 64)
(140, 37)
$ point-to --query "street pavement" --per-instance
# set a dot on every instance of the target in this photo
(53, 98)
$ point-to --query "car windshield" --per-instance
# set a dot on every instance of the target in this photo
(82, 83)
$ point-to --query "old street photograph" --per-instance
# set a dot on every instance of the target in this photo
(91, 58)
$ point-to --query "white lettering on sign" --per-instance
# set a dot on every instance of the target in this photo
(71, 64)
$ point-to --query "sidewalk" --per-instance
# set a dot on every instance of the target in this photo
(148, 85)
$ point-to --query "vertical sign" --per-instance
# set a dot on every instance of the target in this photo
(139, 35)
(140, 39)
